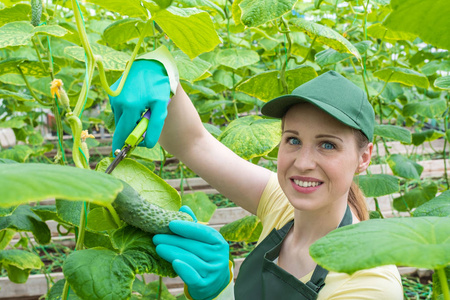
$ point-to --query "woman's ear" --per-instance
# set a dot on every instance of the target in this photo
(364, 158)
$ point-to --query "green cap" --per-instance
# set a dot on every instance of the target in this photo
(334, 94)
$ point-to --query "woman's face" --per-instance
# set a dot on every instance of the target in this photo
(318, 158)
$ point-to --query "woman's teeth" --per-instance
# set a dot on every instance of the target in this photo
(306, 183)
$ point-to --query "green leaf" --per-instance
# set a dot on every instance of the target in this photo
(433, 66)
(57, 289)
(404, 167)
(204, 5)
(396, 133)
(19, 153)
(237, 58)
(150, 186)
(402, 75)
(124, 30)
(19, 12)
(28, 67)
(151, 291)
(416, 197)
(225, 78)
(331, 56)
(326, 36)
(266, 86)
(428, 108)
(13, 123)
(418, 138)
(190, 70)
(399, 241)
(411, 15)
(200, 204)
(152, 154)
(17, 96)
(113, 273)
(378, 31)
(376, 185)
(132, 8)
(443, 82)
(251, 136)
(248, 229)
(18, 264)
(100, 219)
(189, 28)
(24, 219)
(437, 207)
(24, 183)
(6, 235)
(113, 60)
(256, 13)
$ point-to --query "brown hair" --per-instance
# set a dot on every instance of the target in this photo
(356, 198)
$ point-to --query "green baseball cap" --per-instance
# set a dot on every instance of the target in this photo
(334, 94)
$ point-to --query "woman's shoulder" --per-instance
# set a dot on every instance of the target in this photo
(382, 282)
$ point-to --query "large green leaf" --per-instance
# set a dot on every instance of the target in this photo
(19, 12)
(150, 186)
(418, 138)
(100, 219)
(438, 207)
(18, 264)
(24, 183)
(326, 36)
(396, 133)
(17, 96)
(402, 75)
(426, 18)
(19, 33)
(29, 67)
(429, 108)
(252, 136)
(17, 122)
(372, 243)
(110, 274)
(248, 229)
(113, 60)
(435, 65)
(190, 70)
(131, 8)
(266, 86)
(6, 235)
(19, 153)
(415, 197)
(331, 56)
(443, 82)
(124, 30)
(200, 204)
(204, 5)
(376, 185)
(237, 58)
(189, 28)
(152, 290)
(225, 78)
(154, 153)
(404, 167)
(256, 13)
(378, 31)
(24, 219)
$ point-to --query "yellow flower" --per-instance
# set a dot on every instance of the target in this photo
(55, 85)
(85, 135)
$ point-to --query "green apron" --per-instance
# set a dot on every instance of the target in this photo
(261, 279)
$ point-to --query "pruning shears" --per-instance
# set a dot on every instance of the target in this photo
(132, 141)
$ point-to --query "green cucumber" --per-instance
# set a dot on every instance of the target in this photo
(36, 12)
(137, 211)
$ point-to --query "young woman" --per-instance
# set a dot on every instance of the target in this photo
(327, 129)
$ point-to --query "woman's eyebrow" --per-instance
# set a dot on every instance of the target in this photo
(290, 131)
(328, 136)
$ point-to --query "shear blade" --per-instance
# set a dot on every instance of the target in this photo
(117, 160)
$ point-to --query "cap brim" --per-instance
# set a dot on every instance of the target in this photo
(278, 107)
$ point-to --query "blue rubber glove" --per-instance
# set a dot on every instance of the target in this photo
(147, 86)
(199, 254)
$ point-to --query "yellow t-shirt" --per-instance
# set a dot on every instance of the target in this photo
(383, 282)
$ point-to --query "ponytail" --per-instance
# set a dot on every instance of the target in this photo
(357, 202)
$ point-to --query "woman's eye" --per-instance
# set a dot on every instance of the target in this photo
(293, 141)
(328, 146)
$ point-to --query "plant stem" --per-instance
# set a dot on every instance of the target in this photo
(59, 132)
(101, 68)
(160, 288)
(444, 284)
(31, 90)
(76, 126)
(114, 214)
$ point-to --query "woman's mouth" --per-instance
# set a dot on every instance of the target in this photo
(306, 186)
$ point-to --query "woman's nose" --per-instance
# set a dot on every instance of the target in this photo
(305, 159)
